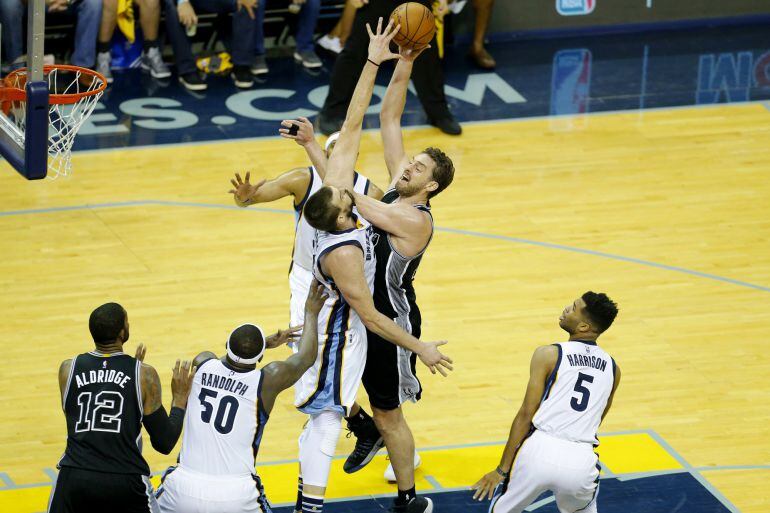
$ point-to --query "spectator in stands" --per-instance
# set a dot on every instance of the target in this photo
(335, 40)
(181, 16)
(86, 12)
(428, 76)
(307, 16)
(478, 53)
(149, 20)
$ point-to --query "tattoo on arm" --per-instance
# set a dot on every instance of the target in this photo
(151, 389)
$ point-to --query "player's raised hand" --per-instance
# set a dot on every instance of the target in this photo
(434, 359)
(181, 381)
(410, 54)
(141, 350)
(282, 337)
(379, 42)
(315, 298)
(305, 133)
(485, 487)
(243, 191)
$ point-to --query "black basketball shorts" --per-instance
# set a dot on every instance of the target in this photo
(390, 374)
(84, 491)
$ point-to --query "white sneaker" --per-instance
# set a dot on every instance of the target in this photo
(391, 476)
(103, 65)
(330, 43)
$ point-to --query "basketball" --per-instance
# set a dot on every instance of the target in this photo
(417, 25)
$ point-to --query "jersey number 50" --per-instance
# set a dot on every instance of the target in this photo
(228, 406)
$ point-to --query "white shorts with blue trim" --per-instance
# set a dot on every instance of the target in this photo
(186, 491)
(332, 383)
(545, 463)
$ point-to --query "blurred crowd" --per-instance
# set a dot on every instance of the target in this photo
(173, 23)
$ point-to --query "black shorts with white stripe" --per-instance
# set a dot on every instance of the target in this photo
(390, 375)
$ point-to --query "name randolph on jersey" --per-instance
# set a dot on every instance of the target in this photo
(223, 383)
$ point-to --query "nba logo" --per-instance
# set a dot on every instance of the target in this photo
(575, 7)
(571, 81)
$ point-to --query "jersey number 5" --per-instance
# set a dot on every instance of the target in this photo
(580, 404)
(228, 406)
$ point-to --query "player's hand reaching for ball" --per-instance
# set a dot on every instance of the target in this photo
(244, 192)
(305, 133)
(485, 487)
(282, 337)
(181, 382)
(379, 42)
(411, 54)
(141, 350)
(433, 359)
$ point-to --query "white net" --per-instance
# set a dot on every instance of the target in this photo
(74, 93)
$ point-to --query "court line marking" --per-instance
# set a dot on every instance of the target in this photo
(456, 231)
(694, 472)
(419, 127)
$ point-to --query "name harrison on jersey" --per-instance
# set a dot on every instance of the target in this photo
(578, 360)
(223, 383)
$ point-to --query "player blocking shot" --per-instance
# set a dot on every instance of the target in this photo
(230, 404)
(552, 439)
(107, 396)
(344, 262)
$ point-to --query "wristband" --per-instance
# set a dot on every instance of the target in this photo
(502, 472)
(368, 59)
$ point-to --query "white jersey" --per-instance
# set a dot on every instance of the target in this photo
(221, 429)
(304, 234)
(332, 382)
(577, 392)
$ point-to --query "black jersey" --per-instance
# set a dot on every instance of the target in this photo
(103, 406)
(393, 281)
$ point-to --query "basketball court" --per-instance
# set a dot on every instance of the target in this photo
(605, 173)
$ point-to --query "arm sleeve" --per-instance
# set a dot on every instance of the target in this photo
(164, 429)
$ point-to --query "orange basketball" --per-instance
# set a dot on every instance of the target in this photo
(417, 25)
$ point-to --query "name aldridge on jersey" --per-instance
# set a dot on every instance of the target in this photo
(578, 360)
(102, 376)
(223, 383)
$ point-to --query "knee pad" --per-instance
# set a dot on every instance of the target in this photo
(328, 425)
(317, 445)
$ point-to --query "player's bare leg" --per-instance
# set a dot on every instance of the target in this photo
(400, 443)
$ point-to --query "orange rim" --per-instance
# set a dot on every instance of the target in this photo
(15, 93)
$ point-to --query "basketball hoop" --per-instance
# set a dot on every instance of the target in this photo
(73, 94)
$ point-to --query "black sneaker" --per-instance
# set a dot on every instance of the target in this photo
(416, 505)
(447, 124)
(368, 442)
(192, 81)
(328, 126)
(242, 77)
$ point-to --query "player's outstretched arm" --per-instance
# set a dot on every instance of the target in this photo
(305, 137)
(293, 182)
(339, 169)
(392, 109)
(346, 267)
(164, 429)
(541, 366)
(398, 219)
(278, 376)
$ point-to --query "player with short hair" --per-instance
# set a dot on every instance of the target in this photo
(403, 225)
(107, 396)
(552, 439)
(230, 403)
(344, 262)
